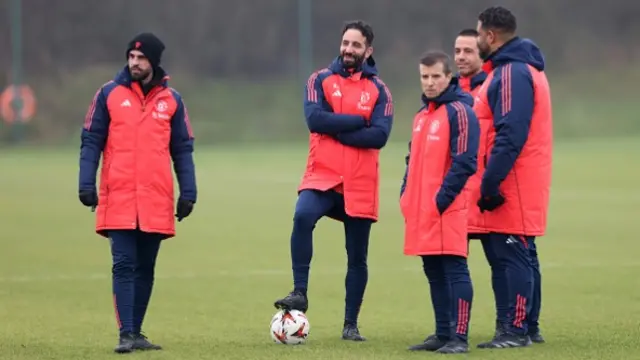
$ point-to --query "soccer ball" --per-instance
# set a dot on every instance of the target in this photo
(290, 327)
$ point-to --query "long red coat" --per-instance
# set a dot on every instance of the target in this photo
(514, 106)
(472, 86)
(349, 115)
(138, 137)
(443, 155)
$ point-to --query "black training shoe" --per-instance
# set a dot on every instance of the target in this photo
(126, 344)
(506, 340)
(431, 343)
(142, 343)
(296, 300)
(537, 338)
(351, 332)
(500, 329)
(454, 347)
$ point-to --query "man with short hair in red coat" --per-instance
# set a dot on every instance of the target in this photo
(442, 157)
(513, 195)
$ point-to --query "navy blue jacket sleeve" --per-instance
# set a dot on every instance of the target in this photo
(319, 115)
(93, 140)
(464, 143)
(406, 171)
(375, 135)
(512, 102)
(181, 148)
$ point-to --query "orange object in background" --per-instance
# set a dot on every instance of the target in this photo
(28, 104)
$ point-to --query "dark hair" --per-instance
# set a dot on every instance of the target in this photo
(363, 27)
(468, 32)
(431, 58)
(498, 18)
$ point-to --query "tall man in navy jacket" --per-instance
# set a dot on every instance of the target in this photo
(514, 193)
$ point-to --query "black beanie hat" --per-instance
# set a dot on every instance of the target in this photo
(149, 45)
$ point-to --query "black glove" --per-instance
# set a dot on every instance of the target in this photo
(183, 209)
(490, 203)
(89, 198)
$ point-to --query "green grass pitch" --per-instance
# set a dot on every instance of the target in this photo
(217, 280)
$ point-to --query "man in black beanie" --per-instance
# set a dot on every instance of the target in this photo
(147, 127)
(144, 53)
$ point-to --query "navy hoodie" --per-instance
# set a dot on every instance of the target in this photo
(510, 95)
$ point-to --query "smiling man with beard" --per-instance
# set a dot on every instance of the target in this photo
(349, 112)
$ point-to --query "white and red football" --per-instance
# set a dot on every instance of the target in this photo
(290, 327)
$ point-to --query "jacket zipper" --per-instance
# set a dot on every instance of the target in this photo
(143, 102)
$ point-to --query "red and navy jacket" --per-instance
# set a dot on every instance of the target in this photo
(512, 89)
(94, 138)
(351, 130)
(470, 84)
(464, 164)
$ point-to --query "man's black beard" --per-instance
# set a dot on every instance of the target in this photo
(357, 62)
(142, 76)
(484, 54)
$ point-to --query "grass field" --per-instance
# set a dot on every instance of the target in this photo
(218, 278)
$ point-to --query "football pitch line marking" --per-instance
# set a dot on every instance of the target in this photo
(273, 272)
